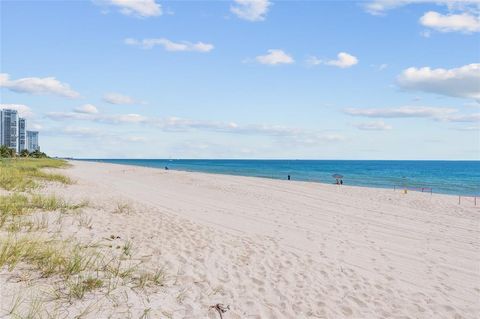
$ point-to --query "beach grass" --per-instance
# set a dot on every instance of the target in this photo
(16, 205)
(22, 174)
(50, 257)
(73, 269)
(80, 286)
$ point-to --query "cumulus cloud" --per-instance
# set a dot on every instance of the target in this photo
(461, 82)
(120, 99)
(380, 7)
(33, 85)
(87, 109)
(251, 10)
(275, 57)
(23, 110)
(373, 126)
(344, 60)
(171, 46)
(463, 22)
(138, 8)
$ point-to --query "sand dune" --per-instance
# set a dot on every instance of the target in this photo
(284, 249)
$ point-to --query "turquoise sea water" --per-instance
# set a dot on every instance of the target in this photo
(447, 177)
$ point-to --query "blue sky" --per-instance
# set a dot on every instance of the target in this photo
(245, 78)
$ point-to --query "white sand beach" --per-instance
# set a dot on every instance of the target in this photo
(276, 249)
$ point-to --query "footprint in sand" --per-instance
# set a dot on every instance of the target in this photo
(347, 311)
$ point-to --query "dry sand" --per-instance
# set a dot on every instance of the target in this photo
(280, 249)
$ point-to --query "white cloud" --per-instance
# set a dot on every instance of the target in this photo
(379, 7)
(86, 109)
(373, 126)
(23, 110)
(275, 57)
(461, 82)
(463, 22)
(468, 118)
(402, 112)
(33, 85)
(110, 119)
(251, 10)
(117, 98)
(293, 136)
(170, 45)
(313, 60)
(139, 8)
(344, 60)
(436, 113)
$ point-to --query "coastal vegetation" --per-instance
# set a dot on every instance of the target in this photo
(34, 248)
(22, 174)
(7, 152)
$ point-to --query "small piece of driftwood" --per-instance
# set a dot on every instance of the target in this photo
(221, 309)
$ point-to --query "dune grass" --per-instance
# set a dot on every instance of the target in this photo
(16, 205)
(75, 269)
(82, 268)
(49, 257)
(22, 174)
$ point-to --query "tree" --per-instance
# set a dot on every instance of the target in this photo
(6, 151)
(38, 154)
(24, 153)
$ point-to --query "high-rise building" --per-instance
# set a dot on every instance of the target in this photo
(14, 134)
(32, 141)
(22, 134)
(1, 127)
(9, 127)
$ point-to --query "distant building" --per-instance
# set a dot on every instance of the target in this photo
(32, 141)
(22, 135)
(14, 134)
(9, 128)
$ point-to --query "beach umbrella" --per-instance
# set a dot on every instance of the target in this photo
(337, 176)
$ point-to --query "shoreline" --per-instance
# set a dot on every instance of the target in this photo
(392, 187)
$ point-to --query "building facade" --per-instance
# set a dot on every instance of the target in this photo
(9, 119)
(14, 134)
(22, 135)
(32, 141)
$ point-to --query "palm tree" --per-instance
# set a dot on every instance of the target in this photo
(6, 151)
(24, 153)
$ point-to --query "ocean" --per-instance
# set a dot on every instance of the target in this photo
(445, 177)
